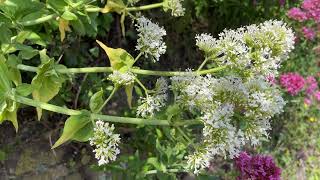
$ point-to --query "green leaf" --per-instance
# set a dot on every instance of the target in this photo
(128, 90)
(46, 83)
(67, 15)
(75, 127)
(14, 73)
(96, 101)
(5, 84)
(84, 134)
(158, 165)
(24, 89)
(119, 58)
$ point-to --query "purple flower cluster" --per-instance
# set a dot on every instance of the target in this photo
(257, 167)
(292, 82)
(309, 10)
(312, 91)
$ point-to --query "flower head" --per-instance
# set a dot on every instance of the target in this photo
(257, 167)
(105, 142)
(308, 33)
(255, 49)
(121, 78)
(297, 14)
(292, 82)
(176, 7)
(150, 41)
(153, 103)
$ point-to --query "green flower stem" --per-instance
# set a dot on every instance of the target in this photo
(146, 7)
(142, 86)
(202, 64)
(116, 119)
(108, 99)
(39, 20)
(93, 9)
(133, 70)
(168, 170)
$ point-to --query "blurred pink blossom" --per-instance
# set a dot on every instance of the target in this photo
(308, 33)
(292, 82)
(297, 14)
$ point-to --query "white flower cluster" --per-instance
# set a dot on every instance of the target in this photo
(258, 49)
(121, 78)
(176, 7)
(153, 103)
(150, 40)
(105, 142)
(233, 111)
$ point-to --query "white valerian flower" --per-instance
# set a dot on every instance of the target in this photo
(150, 41)
(105, 142)
(257, 49)
(234, 111)
(175, 6)
(133, 2)
(205, 42)
(120, 78)
(153, 103)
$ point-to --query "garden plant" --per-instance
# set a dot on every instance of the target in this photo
(238, 93)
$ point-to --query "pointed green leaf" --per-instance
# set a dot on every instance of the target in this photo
(46, 83)
(114, 6)
(73, 129)
(96, 101)
(24, 89)
(84, 134)
(119, 58)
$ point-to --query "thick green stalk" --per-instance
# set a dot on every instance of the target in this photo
(39, 20)
(146, 7)
(116, 119)
(133, 70)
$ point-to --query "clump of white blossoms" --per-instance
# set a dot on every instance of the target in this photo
(233, 112)
(150, 42)
(105, 142)
(254, 49)
(175, 6)
(120, 78)
(153, 103)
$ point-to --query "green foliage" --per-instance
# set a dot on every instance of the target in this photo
(77, 128)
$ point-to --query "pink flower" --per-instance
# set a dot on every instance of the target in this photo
(271, 79)
(312, 8)
(307, 101)
(292, 82)
(297, 14)
(311, 84)
(308, 33)
(317, 96)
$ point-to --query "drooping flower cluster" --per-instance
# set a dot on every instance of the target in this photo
(253, 50)
(233, 112)
(150, 41)
(257, 167)
(292, 82)
(105, 142)
(175, 6)
(153, 103)
(309, 10)
(120, 78)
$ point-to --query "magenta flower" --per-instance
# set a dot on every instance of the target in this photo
(307, 101)
(312, 8)
(312, 85)
(282, 2)
(257, 167)
(317, 96)
(297, 14)
(292, 82)
(308, 33)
